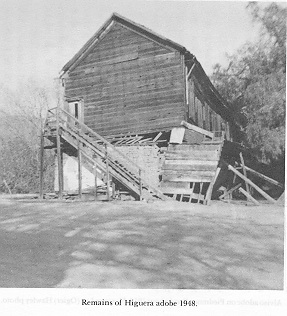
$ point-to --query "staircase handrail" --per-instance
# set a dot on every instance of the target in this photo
(103, 140)
(80, 125)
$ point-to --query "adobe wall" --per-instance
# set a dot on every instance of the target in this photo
(147, 157)
(70, 169)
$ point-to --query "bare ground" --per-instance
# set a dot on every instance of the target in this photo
(140, 245)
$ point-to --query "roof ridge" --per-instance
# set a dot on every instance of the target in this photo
(133, 25)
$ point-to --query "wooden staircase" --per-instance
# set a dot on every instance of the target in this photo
(99, 152)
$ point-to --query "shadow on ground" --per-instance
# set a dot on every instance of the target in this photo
(140, 245)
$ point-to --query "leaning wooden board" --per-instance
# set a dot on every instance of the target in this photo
(189, 169)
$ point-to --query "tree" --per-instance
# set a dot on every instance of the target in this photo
(254, 83)
(22, 114)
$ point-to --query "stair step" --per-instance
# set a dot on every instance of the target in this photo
(118, 169)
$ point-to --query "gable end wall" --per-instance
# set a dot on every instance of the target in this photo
(129, 84)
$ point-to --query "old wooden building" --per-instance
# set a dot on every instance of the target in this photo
(138, 114)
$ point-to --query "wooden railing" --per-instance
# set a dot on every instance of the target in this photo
(110, 153)
(82, 127)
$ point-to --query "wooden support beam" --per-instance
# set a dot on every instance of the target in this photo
(244, 172)
(145, 140)
(59, 157)
(249, 197)
(199, 193)
(96, 177)
(80, 169)
(210, 188)
(197, 129)
(264, 194)
(140, 184)
(121, 140)
(49, 147)
(233, 182)
(262, 176)
(41, 194)
(190, 71)
(134, 141)
(113, 190)
(230, 191)
(192, 185)
(107, 173)
(157, 137)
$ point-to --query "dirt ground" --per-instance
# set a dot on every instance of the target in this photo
(140, 245)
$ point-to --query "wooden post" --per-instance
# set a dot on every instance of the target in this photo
(244, 172)
(140, 184)
(113, 190)
(233, 183)
(79, 169)
(264, 194)
(96, 177)
(108, 173)
(41, 165)
(59, 156)
(199, 193)
(210, 188)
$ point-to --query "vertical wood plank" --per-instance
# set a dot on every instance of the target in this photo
(204, 106)
(95, 177)
(210, 120)
(59, 156)
(41, 164)
(191, 194)
(200, 189)
(107, 173)
(210, 188)
(191, 105)
(79, 169)
(140, 184)
(113, 190)
(244, 172)
(207, 117)
(184, 84)
(232, 185)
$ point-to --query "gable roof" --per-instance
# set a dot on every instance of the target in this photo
(82, 53)
(190, 60)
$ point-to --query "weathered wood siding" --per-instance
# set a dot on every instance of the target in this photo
(129, 83)
(190, 163)
(201, 112)
(188, 170)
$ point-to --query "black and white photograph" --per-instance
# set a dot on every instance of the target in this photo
(142, 157)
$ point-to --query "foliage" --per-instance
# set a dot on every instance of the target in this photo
(21, 117)
(254, 83)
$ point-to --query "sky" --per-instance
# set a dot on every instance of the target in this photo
(37, 37)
